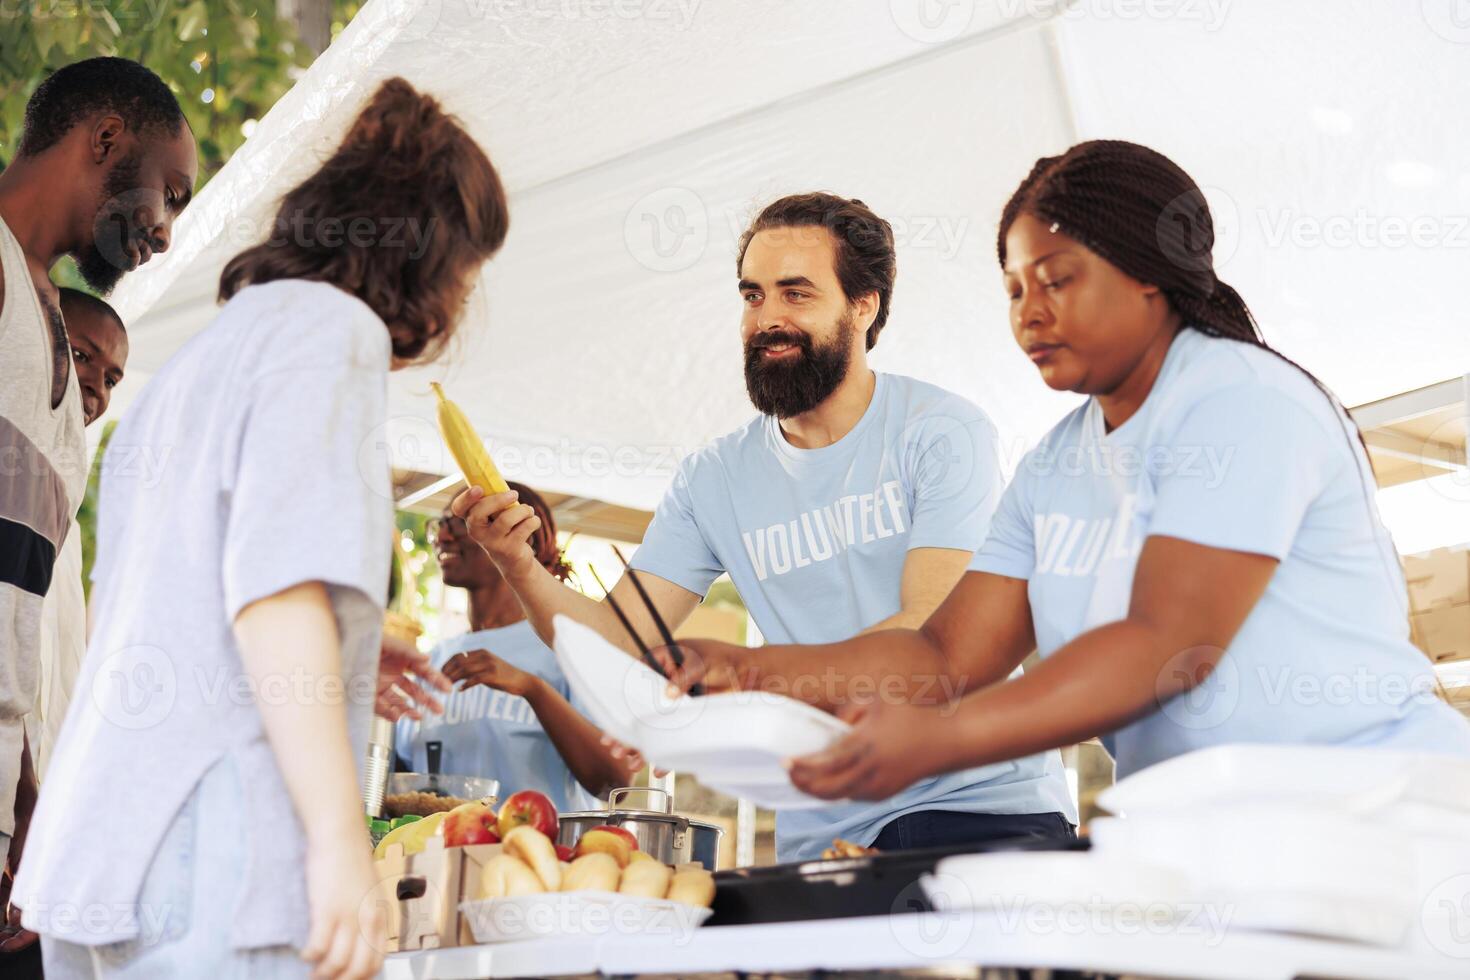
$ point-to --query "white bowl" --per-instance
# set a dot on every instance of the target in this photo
(734, 742)
(580, 915)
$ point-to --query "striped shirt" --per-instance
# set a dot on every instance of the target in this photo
(43, 474)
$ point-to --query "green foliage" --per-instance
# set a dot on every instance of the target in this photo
(409, 591)
(723, 594)
(243, 58)
(236, 53)
(342, 13)
(87, 513)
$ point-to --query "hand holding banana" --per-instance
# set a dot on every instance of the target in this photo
(502, 527)
(488, 506)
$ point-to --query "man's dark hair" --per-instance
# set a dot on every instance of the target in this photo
(79, 300)
(71, 94)
(866, 262)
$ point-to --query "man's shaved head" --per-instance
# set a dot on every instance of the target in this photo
(78, 92)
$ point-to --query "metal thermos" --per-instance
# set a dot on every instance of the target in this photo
(379, 765)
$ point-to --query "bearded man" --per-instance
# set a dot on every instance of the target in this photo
(853, 502)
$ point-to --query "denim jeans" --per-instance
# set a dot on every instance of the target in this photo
(945, 828)
(186, 905)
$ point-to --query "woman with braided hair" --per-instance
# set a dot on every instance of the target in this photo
(509, 716)
(1194, 552)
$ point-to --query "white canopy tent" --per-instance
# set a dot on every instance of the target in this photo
(636, 138)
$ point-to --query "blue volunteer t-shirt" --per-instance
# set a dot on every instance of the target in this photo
(1233, 448)
(491, 733)
(815, 542)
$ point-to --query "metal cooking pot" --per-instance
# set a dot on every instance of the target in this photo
(662, 833)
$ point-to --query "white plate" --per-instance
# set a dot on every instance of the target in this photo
(1361, 780)
(1062, 879)
(1280, 867)
(580, 915)
(734, 742)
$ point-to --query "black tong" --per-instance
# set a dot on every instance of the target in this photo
(658, 621)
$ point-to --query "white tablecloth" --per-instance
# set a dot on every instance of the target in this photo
(988, 938)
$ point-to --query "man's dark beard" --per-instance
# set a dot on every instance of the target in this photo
(105, 258)
(789, 387)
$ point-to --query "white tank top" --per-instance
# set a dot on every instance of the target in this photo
(43, 474)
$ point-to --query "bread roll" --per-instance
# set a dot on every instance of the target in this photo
(592, 872)
(536, 849)
(401, 627)
(647, 879)
(504, 876)
(693, 887)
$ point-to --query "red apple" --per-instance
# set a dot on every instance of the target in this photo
(531, 808)
(563, 853)
(470, 823)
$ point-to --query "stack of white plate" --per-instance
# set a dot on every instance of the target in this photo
(1365, 845)
(1353, 843)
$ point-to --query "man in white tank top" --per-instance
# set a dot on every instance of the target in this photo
(105, 163)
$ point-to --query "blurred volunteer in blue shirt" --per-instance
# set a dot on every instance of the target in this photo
(1194, 551)
(510, 715)
(853, 502)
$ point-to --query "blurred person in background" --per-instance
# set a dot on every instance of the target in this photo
(99, 352)
(511, 716)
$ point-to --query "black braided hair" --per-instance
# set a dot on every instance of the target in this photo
(1141, 212)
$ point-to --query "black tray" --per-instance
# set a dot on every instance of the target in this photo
(879, 884)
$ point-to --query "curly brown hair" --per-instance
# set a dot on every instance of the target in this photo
(405, 170)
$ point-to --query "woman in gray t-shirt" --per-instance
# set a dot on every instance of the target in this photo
(238, 585)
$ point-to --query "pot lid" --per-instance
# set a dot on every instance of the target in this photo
(626, 813)
(612, 817)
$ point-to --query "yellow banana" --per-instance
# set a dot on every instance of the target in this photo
(466, 448)
(413, 836)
